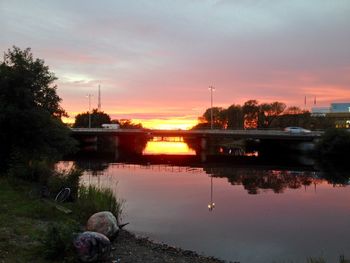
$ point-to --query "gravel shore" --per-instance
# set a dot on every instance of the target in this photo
(127, 248)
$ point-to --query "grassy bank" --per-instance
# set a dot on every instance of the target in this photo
(23, 220)
(34, 230)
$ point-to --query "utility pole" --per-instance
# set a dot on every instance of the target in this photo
(89, 96)
(211, 88)
(99, 98)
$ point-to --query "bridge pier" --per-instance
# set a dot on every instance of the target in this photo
(204, 143)
(89, 143)
(116, 141)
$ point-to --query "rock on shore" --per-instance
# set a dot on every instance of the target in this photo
(104, 223)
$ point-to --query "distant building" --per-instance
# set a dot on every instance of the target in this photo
(320, 111)
(338, 113)
(340, 107)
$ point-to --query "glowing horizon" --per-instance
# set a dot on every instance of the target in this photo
(161, 124)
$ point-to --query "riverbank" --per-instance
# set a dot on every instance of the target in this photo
(130, 249)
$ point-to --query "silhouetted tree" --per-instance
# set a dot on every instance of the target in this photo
(268, 112)
(235, 118)
(293, 110)
(97, 119)
(128, 124)
(251, 111)
(299, 120)
(201, 126)
(219, 117)
(31, 128)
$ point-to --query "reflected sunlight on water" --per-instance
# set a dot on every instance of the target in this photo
(174, 147)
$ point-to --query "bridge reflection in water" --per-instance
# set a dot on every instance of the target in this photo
(168, 145)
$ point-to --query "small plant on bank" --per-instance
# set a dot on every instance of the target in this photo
(60, 180)
(92, 200)
(57, 242)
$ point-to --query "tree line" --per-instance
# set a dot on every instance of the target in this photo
(97, 118)
(255, 115)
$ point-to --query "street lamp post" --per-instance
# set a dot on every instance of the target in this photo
(89, 96)
(211, 88)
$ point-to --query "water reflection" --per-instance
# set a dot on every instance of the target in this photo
(256, 180)
(255, 175)
(168, 147)
(247, 210)
(211, 204)
(227, 205)
(282, 210)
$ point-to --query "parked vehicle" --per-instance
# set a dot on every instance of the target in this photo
(110, 126)
(296, 130)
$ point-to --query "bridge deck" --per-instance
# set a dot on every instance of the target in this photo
(253, 134)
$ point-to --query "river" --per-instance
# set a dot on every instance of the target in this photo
(240, 209)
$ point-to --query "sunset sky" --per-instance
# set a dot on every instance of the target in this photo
(155, 60)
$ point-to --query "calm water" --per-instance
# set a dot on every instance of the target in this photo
(259, 214)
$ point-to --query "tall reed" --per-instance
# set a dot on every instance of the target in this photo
(92, 200)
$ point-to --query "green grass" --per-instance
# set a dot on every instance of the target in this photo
(32, 230)
(22, 221)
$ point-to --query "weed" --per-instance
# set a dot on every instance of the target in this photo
(57, 241)
(315, 260)
(60, 180)
(92, 200)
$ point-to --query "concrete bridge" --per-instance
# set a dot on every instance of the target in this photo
(204, 142)
(217, 134)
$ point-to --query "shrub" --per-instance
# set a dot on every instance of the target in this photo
(65, 179)
(57, 242)
(334, 145)
(92, 200)
(33, 170)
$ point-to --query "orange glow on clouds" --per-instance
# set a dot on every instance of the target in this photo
(161, 124)
(168, 147)
(328, 94)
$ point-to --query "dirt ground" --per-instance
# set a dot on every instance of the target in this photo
(127, 248)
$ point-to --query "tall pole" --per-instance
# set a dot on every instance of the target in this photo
(211, 106)
(99, 98)
(89, 96)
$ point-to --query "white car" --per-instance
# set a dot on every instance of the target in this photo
(296, 130)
